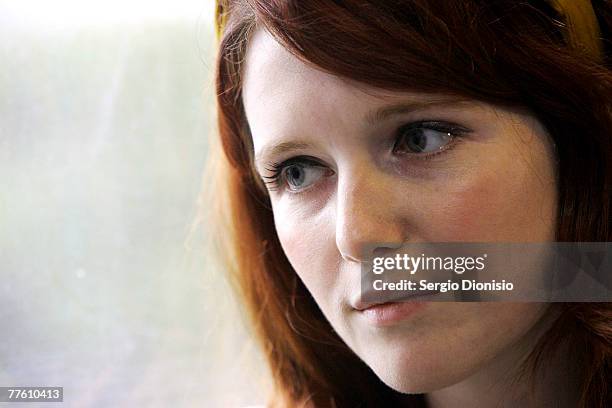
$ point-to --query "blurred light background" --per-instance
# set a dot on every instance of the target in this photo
(105, 286)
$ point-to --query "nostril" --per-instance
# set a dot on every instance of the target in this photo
(369, 214)
(349, 258)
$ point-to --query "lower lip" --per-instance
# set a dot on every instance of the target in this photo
(387, 314)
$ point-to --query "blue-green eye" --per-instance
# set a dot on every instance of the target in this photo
(422, 139)
(296, 174)
(300, 176)
(425, 137)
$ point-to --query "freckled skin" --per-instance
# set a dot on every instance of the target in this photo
(497, 184)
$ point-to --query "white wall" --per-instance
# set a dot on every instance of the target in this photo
(105, 115)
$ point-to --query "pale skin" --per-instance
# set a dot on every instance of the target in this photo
(348, 178)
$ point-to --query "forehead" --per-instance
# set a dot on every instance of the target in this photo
(278, 85)
(287, 99)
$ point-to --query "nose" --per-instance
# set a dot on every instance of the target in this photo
(369, 214)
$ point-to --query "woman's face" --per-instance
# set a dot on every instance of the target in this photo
(348, 166)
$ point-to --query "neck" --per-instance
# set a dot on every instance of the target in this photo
(502, 382)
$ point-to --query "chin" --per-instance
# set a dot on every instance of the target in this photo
(421, 364)
(413, 380)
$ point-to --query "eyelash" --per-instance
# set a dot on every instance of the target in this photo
(454, 130)
(273, 181)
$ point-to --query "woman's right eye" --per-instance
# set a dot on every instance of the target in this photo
(296, 174)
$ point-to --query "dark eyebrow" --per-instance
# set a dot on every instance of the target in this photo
(400, 108)
(371, 118)
(280, 148)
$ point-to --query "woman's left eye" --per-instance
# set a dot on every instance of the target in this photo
(421, 139)
(425, 137)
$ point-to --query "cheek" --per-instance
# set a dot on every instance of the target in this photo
(499, 202)
(308, 243)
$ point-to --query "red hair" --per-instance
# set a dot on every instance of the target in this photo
(502, 52)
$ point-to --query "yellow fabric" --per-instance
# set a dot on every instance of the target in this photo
(220, 18)
(582, 28)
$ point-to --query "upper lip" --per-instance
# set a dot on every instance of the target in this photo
(359, 304)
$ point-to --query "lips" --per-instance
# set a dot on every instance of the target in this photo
(391, 313)
(379, 299)
(362, 305)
